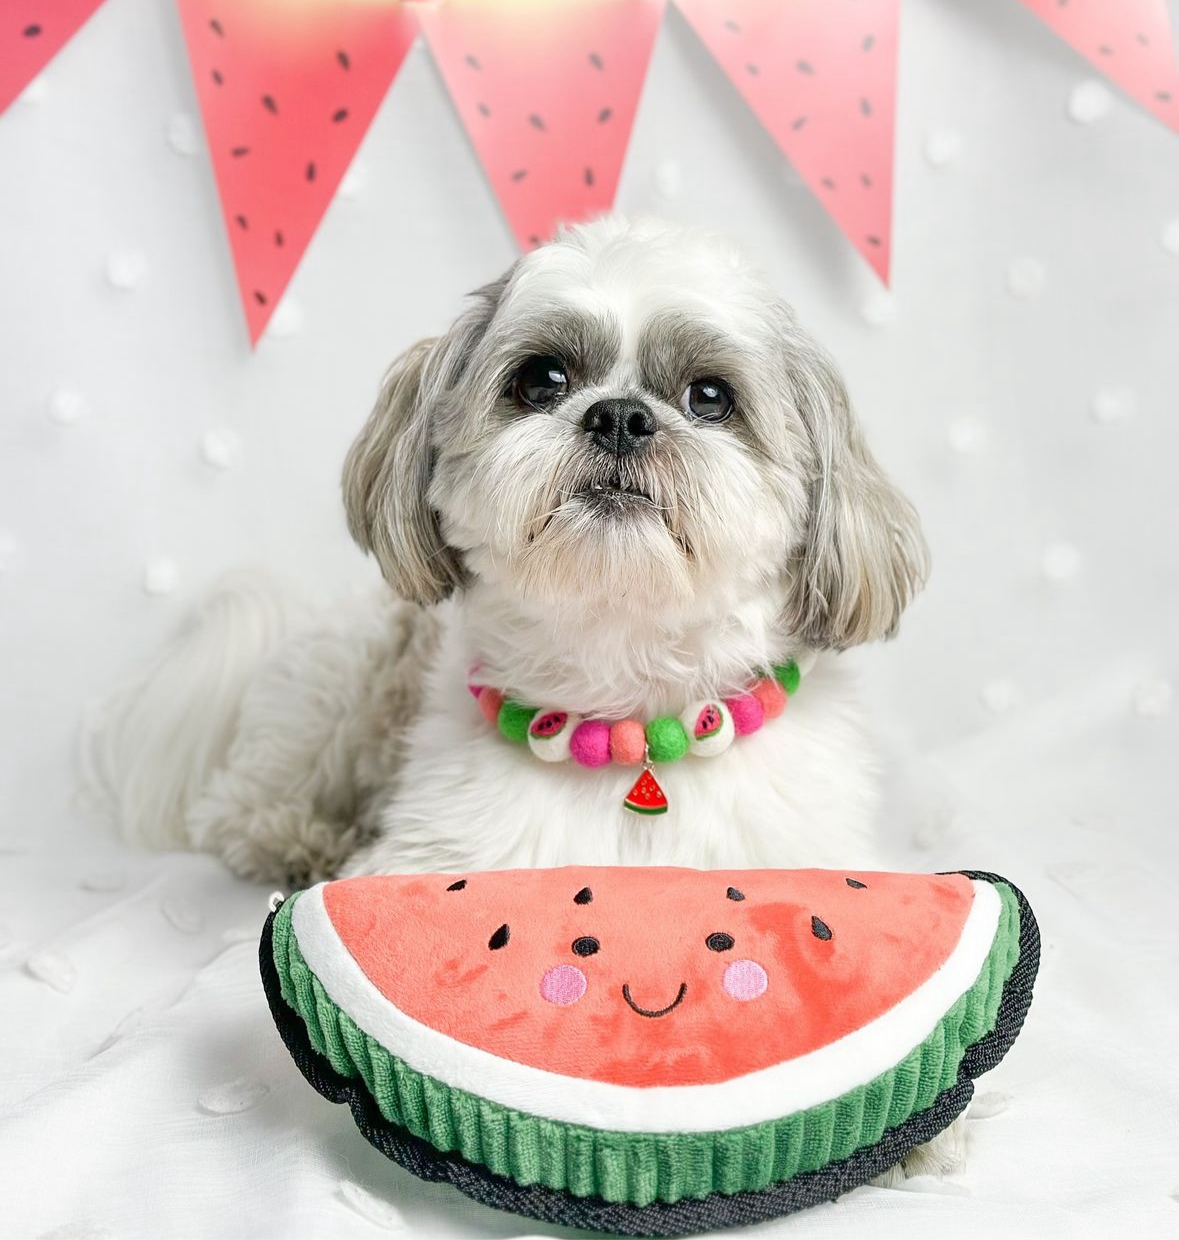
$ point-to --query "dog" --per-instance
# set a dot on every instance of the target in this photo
(624, 481)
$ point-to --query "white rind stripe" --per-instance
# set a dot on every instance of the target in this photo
(767, 1094)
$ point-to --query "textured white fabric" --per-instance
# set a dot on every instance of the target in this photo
(1037, 436)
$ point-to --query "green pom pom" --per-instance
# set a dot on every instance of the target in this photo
(788, 676)
(513, 720)
(666, 739)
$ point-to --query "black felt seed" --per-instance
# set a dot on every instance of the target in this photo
(719, 941)
(311, 172)
(242, 221)
(820, 929)
(519, 174)
(536, 122)
(584, 896)
(340, 114)
(604, 115)
(216, 27)
(217, 77)
(279, 239)
(260, 297)
(855, 882)
(239, 151)
(31, 32)
(457, 886)
(499, 938)
(734, 894)
(269, 104)
(345, 62)
(587, 945)
(596, 60)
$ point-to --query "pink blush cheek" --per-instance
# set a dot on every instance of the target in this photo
(563, 984)
(744, 980)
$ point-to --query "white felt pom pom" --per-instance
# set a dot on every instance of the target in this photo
(549, 734)
(709, 727)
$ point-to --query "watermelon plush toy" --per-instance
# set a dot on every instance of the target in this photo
(651, 1051)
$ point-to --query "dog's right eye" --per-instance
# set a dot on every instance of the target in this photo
(538, 382)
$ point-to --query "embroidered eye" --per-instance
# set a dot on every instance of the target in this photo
(820, 929)
(719, 941)
(499, 938)
(707, 400)
(585, 946)
(539, 382)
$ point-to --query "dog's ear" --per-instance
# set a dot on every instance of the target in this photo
(864, 556)
(387, 472)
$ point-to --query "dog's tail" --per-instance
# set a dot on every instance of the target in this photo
(148, 750)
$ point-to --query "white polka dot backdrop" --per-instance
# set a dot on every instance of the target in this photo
(355, 181)
(66, 405)
(160, 576)
(1061, 561)
(1026, 277)
(9, 550)
(220, 448)
(669, 178)
(1170, 236)
(1089, 101)
(183, 133)
(126, 270)
(878, 308)
(942, 146)
(1113, 404)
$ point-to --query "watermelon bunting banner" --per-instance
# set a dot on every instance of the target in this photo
(822, 81)
(32, 32)
(552, 138)
(1128, 41)
(548, 91)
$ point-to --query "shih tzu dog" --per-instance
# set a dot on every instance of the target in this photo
(622, 485)
(624, 482)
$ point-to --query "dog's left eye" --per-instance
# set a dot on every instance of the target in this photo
(539, 381)
(708, 400)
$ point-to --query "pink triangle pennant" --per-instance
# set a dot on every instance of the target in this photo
(1129, 41)
(287, 92)
(821, 78)
(32, 32)
(547, 92)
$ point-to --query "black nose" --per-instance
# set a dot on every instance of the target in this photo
(618, 425)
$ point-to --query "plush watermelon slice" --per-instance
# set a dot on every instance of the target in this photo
(651, 1051)
(287, 92)
(646, 796)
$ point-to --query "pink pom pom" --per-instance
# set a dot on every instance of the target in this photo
(628, 742)
(490, 700)
(748, 713)
(771, 695)
(590, 743)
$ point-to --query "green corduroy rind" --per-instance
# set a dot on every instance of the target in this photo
(641, 1168)
(667, 740)
(513, 720)
(788, 675)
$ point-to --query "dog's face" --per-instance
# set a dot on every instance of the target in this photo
(631, 419)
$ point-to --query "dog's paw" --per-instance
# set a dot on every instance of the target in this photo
(298, 853)
(944, 1155)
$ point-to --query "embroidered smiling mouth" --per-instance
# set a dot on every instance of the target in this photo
(642, 1011)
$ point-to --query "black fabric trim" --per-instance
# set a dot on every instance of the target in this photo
(663, 1218)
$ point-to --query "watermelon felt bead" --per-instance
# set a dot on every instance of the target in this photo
(651, 1051)
(550, 732)
(709, 727)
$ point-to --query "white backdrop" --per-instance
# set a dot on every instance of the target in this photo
(1020, 382)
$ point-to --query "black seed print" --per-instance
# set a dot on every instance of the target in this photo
(820, 929)
(752, 69)
(805, 66)
(279, 239)
(260, 297)
(216, 27)
(344, 59)
(732, 25)
(866, 107)
(596, 60)
(1105, 49)
(734, 894)
(484, 110)
(519, 174)
(604, 115)
(499, 938)
(585, 946)
(869, 42)
(589, 176)
(827, 183)
(310, 174)
(536, 122)
(217, 77)
(872, 240)
(584, 896)
(269, 104)
(865, 180)
(1163, 95)
(798, 122)
(31, 32)
(340, 114)
(242, 222)
(472, 62)
(719, 941)
(855, 882)
(457, 886)
(533, 240)
(1143, 40)
(239, 151)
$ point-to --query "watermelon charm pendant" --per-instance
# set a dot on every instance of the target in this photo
(646, 795)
